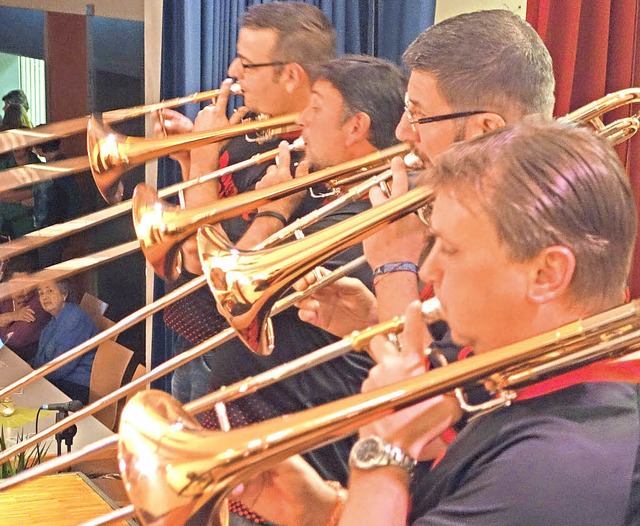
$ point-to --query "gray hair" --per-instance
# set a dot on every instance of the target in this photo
(491, 60)
(370, 85)
(552, 184)
(304, 34)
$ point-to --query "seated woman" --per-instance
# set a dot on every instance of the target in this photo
(22, 319)
(70, 326)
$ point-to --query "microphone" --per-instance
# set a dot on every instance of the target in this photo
(73, 405)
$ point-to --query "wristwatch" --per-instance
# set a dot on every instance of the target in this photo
(373, 452)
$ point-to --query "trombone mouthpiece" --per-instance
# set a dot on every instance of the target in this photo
(413, 162)
(432, 311)
(297, 145)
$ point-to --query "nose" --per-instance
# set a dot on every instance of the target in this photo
(303, 118)
(431, 270)
(405, 131)
(235, 69)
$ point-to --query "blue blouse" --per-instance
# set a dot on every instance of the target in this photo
(72, 327)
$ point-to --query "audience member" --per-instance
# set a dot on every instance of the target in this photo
(22, 319)
(69, 327)
(16, 217)
(17, 96)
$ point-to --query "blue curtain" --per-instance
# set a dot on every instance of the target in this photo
(199, 42)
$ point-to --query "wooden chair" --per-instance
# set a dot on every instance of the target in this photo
(112, 368)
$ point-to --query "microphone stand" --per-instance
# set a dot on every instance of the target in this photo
(66, 434)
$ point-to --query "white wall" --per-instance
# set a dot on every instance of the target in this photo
(448, 8)
(9, 73)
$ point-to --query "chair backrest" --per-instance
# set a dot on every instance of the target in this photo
(112, 368)
(96, 308)
(92, 305)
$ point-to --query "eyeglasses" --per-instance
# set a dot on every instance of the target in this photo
(261, 64)
(425, 120)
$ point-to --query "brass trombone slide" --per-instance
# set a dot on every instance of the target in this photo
(171, 466)
(160, 226)
(24, 138)
(49, 234)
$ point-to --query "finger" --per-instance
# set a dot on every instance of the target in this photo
(283, 160)
(413, 334)
(238, 114)
(308, 316)
(223, 96)
(377, 196)
(302, 283)
(379, 348)
(400, 179)
(303, 168)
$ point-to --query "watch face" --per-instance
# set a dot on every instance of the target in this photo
(368, 452)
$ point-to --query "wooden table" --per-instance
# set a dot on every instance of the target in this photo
(40, 392)
(67, 499)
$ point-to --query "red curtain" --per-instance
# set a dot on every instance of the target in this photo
(595, 46)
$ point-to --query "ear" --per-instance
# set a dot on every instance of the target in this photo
(358, 128)
(551, 273)
(483, 123)
(293, 76)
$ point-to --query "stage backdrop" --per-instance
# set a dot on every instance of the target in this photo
(595, 46)
(199, 42)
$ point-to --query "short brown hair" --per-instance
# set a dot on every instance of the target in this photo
(552, 184)
(304, 34)
(491, 60)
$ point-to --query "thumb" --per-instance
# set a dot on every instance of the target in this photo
(413, 333)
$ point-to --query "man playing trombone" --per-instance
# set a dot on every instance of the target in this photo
(279, 47)
(470, 74)
(534, 227)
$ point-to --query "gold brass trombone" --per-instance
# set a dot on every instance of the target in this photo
(24, 138)
(246, 283)
(171, 466)
(112, 154)
(160, 226)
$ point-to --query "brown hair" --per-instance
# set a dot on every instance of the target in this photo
(491, 60)
(552, 184)
(304, 34)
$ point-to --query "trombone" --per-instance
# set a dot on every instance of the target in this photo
(171, 466)
(160, 226)
(112, 154)
(24, 138)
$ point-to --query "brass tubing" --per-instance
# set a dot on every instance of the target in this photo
(23, 138)
(598, 107)
(30, 174)
(112, 154)
(66, 269)
(246, 283)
